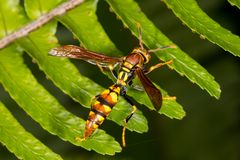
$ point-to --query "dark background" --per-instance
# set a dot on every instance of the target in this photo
(211, 128)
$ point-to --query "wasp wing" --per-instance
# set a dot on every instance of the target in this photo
(77, 52)
(153, 93)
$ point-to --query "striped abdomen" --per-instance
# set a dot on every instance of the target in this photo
(100, 108)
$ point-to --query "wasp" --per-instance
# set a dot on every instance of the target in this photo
(130, 66)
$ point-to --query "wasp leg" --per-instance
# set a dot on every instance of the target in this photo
(106, 69)
(100, 67)
(110, 67)
(79, 139)
(114, 74)
(134, 108)
(93, 98)
(137, 87)
(170, 98)
(157, 66)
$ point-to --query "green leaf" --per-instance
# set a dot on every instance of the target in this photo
(33, 98)
(131, 15)
(44, 108)
(81, 29)
(235, 3)
(19, 141)
(170, 107)
(199, 22)
(7, 25)
(37, 8)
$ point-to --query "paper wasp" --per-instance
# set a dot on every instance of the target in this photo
(131, 65)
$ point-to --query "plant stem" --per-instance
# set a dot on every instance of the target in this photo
(25, 30)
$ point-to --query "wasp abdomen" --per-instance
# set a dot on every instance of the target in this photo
(100, 109)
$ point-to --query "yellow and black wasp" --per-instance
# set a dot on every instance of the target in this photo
(131, 65)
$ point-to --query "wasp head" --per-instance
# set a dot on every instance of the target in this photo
(144, 53)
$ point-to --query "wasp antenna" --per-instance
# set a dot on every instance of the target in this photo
(162, 48)
(140, 35)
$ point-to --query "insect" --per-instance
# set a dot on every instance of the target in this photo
(130, 66)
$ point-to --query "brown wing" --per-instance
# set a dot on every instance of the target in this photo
(153, 93)
(77, 52)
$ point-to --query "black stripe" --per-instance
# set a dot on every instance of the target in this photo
(111, 90)
(144, 57)
(98, 113)
(130, 69)
(133, 65)
(104, 102)
(122, 70)
(95, 122)
(123, 75)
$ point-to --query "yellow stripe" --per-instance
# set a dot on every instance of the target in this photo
(96, 103)
(91, 113)
(107, 108)
(125, 69)
(100, 118)
(127, 65)
(125, 78)
(95, 126)
(115, 89)
(119, 81)
(106, 91)
(121, 74)
(114, 97)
